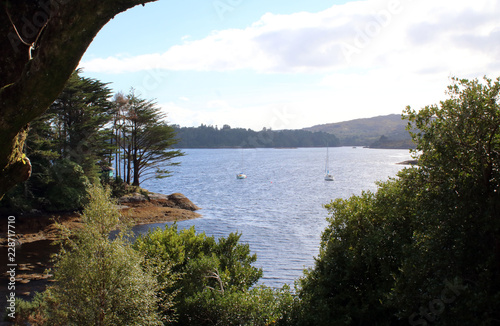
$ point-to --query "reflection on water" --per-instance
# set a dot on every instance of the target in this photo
(32, 260)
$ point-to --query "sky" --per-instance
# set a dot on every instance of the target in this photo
(291, 64)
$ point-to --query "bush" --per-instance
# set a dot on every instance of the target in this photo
(68, 190)
(360, 253)
(99, 281)
(212, 279)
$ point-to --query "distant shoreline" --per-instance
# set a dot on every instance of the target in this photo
(340, 146)
(408, 162)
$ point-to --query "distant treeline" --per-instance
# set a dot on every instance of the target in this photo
(212, 137)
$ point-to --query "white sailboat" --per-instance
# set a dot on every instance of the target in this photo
(241, 175)
(328, 175)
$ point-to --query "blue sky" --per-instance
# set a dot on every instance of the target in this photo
(293, 64)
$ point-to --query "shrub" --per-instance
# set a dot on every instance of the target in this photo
(99, 281)
(213, 279)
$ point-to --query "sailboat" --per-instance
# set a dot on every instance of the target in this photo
(241, 175)
(328, 175)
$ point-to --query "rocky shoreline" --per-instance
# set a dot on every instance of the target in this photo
(141, 208)
(35, 233)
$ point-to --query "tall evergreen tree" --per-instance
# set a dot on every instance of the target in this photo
(145, 139)
(66, 146)
(80, 115)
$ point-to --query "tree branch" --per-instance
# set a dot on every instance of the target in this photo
(31, 82)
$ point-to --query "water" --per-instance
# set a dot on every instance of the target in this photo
(278, 209)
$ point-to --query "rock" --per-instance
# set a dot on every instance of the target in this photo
(182, 202)
(157, 197)
(176, 200)
(409, 162)
(132, 198)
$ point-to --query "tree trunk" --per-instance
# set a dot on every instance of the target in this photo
(129, 164)
(41, 44)
(134, 155)
(136, 173)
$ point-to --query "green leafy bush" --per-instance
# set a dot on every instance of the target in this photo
(213, 279)
(98, 281)
(68, 189)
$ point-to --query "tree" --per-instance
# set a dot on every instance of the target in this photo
(360, 253)
(80, 115)
(459, 142)
(42, 42)
(145, 139)
(68, 144)
(425, 247)
(98, 280)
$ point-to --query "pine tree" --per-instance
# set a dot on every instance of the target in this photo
(81, 115)
(145, 139)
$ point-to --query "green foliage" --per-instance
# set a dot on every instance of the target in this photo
(460, 168)
(79, 116)
(212, 137)
(67, 190)
(212, 279)
(66, 145)
(34, 312)
(60, 187)
(77, 139)
(99, 281)
(257, 306)
(425, 247)
(459, 140)
(359, 258)
(144, 139)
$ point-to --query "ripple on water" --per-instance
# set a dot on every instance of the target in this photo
(278, 209)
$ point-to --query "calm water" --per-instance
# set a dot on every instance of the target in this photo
(279, 207)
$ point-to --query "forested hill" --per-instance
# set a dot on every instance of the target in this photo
(388, 131)
(213, 137)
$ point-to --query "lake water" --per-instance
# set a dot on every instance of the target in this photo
(278, 209)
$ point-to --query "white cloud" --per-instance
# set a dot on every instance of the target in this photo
(359, 34)
(373, 57)
(218, 113)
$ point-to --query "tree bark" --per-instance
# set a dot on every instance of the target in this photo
(41, 44)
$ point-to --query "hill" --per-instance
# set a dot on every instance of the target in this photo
(388, 131)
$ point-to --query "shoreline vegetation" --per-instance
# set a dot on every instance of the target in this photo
(140, 207)
(424, 247)
(35, 232)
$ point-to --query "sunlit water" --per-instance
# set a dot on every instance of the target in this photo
(278, 209)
